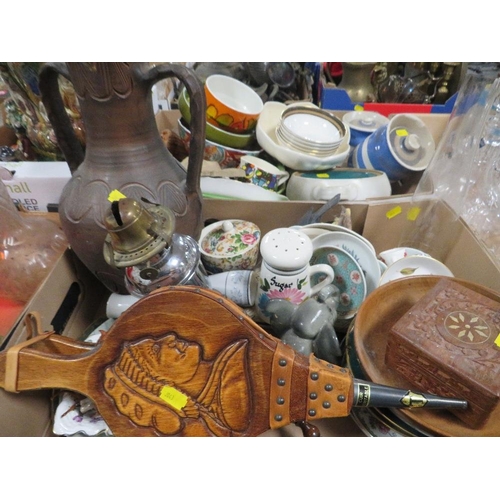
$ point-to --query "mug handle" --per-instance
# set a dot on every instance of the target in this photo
(323, 269)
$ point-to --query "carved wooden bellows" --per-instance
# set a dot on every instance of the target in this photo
(185, 361)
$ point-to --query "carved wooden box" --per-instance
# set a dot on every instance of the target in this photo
(448, 343)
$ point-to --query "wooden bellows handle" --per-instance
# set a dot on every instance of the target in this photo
(184, 361)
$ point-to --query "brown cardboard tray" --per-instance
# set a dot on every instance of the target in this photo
(382, 222)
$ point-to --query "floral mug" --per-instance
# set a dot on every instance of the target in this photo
(285, 272)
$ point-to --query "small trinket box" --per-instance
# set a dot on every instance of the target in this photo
(448, 343)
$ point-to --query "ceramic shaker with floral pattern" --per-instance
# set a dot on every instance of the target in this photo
(285, 272)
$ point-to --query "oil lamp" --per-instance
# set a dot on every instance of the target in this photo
(142, 239)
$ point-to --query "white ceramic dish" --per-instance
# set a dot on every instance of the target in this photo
(218, 187)
(414, 265)
(303, 142)
(327, 226)
(69, 420)
(311, 128)
(350, 183)
(302, 148)
(266, 137)
(312, 232)
(393, 254)
(362, 253)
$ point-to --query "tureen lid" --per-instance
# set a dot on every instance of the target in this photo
(365, 121)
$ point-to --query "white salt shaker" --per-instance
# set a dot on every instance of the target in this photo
(285, 272)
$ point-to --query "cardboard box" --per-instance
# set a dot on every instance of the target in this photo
(68, 300)
(332, 97)
(382, 222)
(35, 185)
(436, 123)
(167, 120)
(73, 299)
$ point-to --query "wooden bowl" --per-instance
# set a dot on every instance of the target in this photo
(376, 316)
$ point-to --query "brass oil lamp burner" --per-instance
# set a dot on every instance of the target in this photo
(142, 241)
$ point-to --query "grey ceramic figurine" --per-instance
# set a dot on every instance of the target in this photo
(308, 326)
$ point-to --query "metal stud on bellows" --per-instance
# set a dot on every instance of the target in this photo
(136, 231)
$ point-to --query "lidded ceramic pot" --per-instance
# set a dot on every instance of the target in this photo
(362, 124)
(402, 147)
(230, 245)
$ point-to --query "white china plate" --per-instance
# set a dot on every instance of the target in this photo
(70, 421)
(219, 187)
(303, 148)
(332, 146)
(266, 137)
(356, 247)
(414, 265)
(335, 227)
(310, 128)
(393, 254)
(312, 232)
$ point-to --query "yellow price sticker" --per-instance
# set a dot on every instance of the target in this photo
(173, 397)
(401, 132)
(393, 212)
(497, 340)
(115, 195)
(413, 213)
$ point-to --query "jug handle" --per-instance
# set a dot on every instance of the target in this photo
(198, 114)
(51, 97)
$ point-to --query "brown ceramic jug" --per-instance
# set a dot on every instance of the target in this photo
(123, 151)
